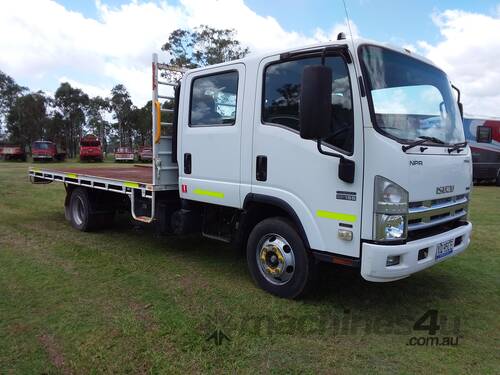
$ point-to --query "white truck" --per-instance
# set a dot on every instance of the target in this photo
(350, 152)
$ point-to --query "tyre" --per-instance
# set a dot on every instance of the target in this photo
(498, 179)
(80, 211)
(278, 259)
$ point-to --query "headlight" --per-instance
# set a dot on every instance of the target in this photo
(390, 210)
(390, 227)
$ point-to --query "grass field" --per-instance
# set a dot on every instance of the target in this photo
(125, 301)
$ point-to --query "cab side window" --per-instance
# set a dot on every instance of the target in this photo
(213, 99)
(282, 91)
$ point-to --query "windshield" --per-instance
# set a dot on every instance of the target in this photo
(90, 143)
(410, 98)
(41, 145)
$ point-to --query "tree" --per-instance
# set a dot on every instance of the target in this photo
(96, 121)
(142, 119)
(27, 118)
(122, 106)
(9, 91)
(54, 129)
(203, 46)
(71, 104)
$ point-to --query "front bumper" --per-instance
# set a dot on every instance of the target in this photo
(374, 257)
(96, 155)
(41, 156)
(124, 158)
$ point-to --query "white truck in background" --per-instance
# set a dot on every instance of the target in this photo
(346, 152)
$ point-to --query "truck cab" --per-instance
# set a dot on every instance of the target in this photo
(483, 136)
(13, 152)
(46, 151)
(350, 152)
(363, 158)
(90, 148)
(125, 154)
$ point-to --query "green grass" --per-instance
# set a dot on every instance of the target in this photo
(125, 301)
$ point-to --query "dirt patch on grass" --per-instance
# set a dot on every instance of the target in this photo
(18, 328)
(54, 352)
(143, 314)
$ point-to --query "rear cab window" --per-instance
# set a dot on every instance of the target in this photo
(214, 99)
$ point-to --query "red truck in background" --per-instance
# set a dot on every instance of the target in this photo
(10, 152)
(145, 154)
(124, 154)
(90, 148)
(483, 136)
(47, 151)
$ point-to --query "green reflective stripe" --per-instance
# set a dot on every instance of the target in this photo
(36, 170)
(131, 184)
(214, 194)
(336, 216)
(72, 175)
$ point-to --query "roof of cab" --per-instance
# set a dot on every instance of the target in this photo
(257, 57)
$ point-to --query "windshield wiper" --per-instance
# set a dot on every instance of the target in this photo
(422, 139)
(457, 146)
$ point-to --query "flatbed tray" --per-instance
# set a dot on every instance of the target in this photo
(139, 174)
(116, 179)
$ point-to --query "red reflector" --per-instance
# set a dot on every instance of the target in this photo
(184, 188)
(344, 261)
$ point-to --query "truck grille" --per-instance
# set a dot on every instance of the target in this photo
(426, 214)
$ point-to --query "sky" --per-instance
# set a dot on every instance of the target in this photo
(95, 44)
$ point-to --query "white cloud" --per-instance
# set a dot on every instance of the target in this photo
(343, 27)
(42, 42)
(46, 40)
(469, 52)
(90, 90)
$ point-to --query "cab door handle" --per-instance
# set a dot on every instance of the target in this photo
(187, 163)
(261, 168)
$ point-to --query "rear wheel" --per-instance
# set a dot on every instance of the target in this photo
(80, 211)
(498, 179)
(278, 260)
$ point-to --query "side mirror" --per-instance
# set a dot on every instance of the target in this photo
(315, 109)
(483, 134)
(347, 168)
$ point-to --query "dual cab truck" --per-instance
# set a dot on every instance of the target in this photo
(348, 152)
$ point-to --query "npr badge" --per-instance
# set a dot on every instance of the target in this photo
(445, 189)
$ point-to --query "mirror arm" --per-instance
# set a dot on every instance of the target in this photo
(458, 92)
(321, 151)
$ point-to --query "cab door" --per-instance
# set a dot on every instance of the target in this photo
(296, 172)
(210, 131)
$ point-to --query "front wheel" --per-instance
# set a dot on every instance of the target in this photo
(278, 260)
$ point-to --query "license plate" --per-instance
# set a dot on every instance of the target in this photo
(444, 248)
